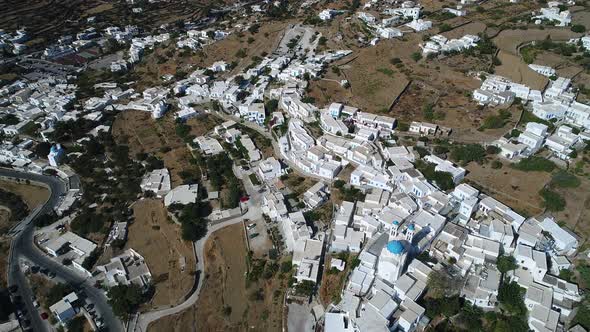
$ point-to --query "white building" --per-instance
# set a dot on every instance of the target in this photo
(420, 25)
(157, 182)
(184, 194)
(125, 269)
(543, 70)
(270, 169)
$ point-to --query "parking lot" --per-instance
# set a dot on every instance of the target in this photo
(258, 238)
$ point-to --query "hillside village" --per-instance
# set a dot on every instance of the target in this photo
(358, 220)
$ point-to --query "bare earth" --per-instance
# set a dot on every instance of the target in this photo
(225, 265)
(159, 241)
(32, 195)
(515, 188)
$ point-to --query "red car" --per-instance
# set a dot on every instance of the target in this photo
(44, 315)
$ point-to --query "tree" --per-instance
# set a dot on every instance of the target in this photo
(578, 28)
(439, 283)
(286, 267)
(470, 316)
(125, 299)
(506, 263)
(535, 163)
(468, 153)
(416, 56)
(194, 230)
(76, 324)
(444, 27)
(42, 149)
(306, 288)
(552, 201)
(510, 296)
(254, 28)
(271, 105)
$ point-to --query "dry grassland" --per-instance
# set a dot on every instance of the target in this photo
(515, 188)
(32, 195)
(158, 240)
(225, 265)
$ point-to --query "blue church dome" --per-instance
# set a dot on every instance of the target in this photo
(395, 222)
(395, 247)
(411, 227)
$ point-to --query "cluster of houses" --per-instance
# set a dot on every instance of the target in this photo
(408, 15)
(13, 43)
(556, 103)
(125, 269)
(389, 229)
(562, 143)
(553, 14)
(441, 44)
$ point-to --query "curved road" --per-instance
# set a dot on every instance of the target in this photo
(254, 213)
(22, 247)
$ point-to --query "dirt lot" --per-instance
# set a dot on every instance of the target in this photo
(203, 124)
(141, 133)
(577, 209)
(298, 184)
(169, 258)
(517, 189)
(226, 264)
(332, 282)
(31, 194)
(515, 69)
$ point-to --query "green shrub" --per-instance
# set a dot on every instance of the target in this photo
(535, 163)
(565, 179)
(552, 201)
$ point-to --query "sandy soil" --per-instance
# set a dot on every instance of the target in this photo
(515, 188)
(159, 241)
(31, 194)
(225, 263)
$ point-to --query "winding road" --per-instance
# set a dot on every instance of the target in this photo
(23, 248)
(254, 213)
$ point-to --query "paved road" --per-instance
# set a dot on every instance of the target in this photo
(254, 213)
(22, 247)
